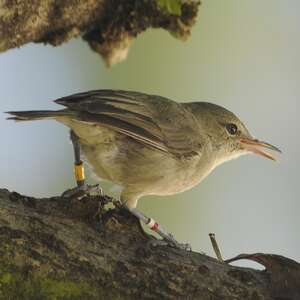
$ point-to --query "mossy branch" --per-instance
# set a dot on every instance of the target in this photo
(109, 26)
(76, 249)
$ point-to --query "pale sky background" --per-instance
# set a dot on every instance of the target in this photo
(243, 55)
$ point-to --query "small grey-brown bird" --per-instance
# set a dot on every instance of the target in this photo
(149, 145)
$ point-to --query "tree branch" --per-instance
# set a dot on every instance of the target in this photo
(69, 249)
(109, 26)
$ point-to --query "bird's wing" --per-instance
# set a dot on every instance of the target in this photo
(153, 120)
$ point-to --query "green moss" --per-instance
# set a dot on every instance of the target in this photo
(16, 286)
(6, 278)
(54, 289)
(173, 7)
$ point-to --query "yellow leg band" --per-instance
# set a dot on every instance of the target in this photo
(79, 172)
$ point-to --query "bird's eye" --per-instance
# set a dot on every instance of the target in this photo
(231, 128)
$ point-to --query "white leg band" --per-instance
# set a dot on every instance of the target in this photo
(151, 223)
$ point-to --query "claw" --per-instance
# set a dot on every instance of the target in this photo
(182, 246)
(156, 243)
(81, 191)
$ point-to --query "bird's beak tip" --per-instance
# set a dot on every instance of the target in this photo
(258, 147)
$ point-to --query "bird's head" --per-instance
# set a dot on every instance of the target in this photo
(229, 137)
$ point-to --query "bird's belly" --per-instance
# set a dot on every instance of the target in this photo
(154, 174)
(120, 159)
(149, 171)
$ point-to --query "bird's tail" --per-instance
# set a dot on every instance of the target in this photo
(36, 115)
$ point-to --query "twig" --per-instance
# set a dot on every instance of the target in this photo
(216, 247)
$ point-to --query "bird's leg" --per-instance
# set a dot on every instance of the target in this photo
(82, 188)
(153, 225)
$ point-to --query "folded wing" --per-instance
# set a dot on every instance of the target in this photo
(152, 120)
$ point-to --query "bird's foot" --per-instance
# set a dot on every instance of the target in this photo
(174, 244)
(81, 191)
(167, 237)
(183, 246)
(157, 243)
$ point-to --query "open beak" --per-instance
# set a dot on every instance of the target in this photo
(258, 147)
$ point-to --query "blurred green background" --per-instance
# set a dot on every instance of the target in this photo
(243, 55)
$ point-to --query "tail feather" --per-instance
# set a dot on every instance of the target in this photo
(35, 115)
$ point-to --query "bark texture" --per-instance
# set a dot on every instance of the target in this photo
(109, 26)
(69, 249)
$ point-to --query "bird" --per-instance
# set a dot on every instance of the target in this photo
(148, 144)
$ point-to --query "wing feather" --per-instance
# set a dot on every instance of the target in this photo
(152, 120)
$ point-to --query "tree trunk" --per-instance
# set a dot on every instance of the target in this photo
(77, 249)
(109, 26)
